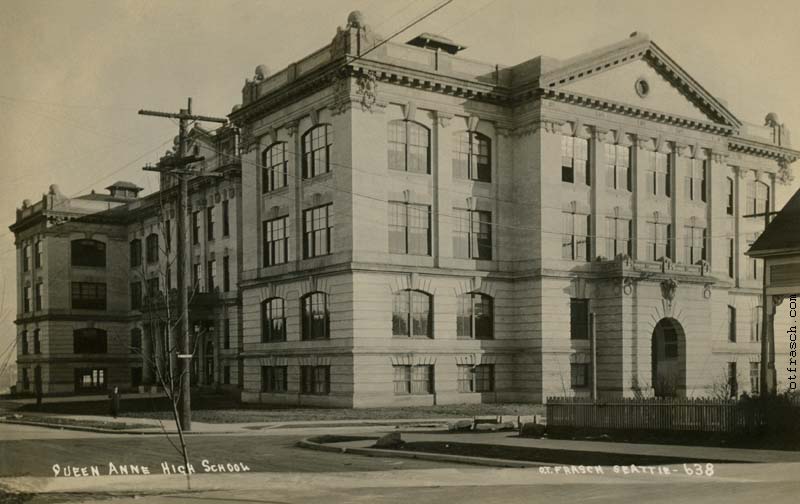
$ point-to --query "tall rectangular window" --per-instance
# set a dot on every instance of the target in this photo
(196, 228)
(317, 231)
(658, 241)
(619, 237)
(730, 189)
(618, 163)
(26, 299)
(37, 254)
(276, 241)
(575, 244)
(136, 295)
(472, 156)
(579, 318)
(730, 257)
(151, 243)
(694, 244)
(409, 229)
(211, 275)
(733, 380)
(409, 147)
(226, 334)
(754, 266)
(274, 167)
(196, 276)
(210, 223)
(695, 180)
(226, 218)
(472, 234)
(731, 324)
(315, 322)
(273, 378)
(757, 323)
(226, 274)
(659, 174)
(26, 258)
(168, 235)
(757, 197)
(317, 150)
(23, 339)
(755, 377)
(136, 253)
(475, 316)
(152, 289)
(575, 160)
(38, 296)
(315, 380)
(37, 344)
(88, 295)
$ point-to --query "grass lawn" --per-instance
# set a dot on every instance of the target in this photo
(547, 456)
(224, 409)
(284, 414)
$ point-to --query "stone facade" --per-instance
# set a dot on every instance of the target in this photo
(417, 228)
(691, 294)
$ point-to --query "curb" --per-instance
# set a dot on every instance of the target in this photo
(100, 430)
(436, 457)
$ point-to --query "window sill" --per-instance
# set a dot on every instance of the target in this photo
(320, 176)
(469, 180)
(408, 172)
(399, 337)
(280, 190)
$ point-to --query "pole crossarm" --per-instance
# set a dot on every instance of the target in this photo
(183, 115)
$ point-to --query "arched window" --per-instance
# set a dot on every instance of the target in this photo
(273, 167)
(412, 314)
(409, 147)
(151, 243)
(475, 316)
(316, 150)
(472, 156)
(315, 316)
(89, 253)
(273, 320)
(89, 341)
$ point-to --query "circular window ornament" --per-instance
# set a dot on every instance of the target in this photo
(642, 87)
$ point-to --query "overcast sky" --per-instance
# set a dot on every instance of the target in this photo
(74, 72)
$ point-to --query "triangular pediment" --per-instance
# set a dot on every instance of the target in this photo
(637, 73)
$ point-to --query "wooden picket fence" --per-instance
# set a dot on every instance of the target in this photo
(654, 415)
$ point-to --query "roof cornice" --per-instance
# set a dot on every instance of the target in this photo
(755, 148)
(639, 112)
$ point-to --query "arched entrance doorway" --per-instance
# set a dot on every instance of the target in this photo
(668, 353)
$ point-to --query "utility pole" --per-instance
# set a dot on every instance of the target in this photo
(767, 377)
(177, 166)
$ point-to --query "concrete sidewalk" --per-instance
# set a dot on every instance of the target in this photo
(155, 426)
